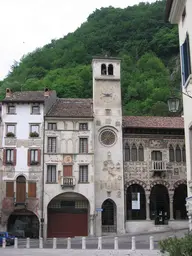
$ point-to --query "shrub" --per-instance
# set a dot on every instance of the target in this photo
(10, 134)
(34, 134)
(177, 246)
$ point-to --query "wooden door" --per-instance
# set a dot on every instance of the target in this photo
(20, 189)
(67, 170)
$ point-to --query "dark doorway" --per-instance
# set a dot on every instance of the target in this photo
(23, 223)
(159, 205)
(136, 203)
(109, 222)
(179, 208)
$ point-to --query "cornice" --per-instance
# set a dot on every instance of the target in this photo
(176, 11)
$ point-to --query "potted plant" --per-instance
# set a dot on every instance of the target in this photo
(34, 134)
(10, 134)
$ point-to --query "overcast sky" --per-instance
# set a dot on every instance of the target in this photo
(27, 24)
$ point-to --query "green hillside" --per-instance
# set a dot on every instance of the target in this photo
(138, 35)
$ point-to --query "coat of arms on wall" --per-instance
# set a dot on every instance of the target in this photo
(110, 167)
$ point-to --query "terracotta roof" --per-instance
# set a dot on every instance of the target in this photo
(25, 96)
(153, 122)
(72, 108)
(168, 9)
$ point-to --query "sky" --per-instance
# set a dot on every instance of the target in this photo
(28, 24)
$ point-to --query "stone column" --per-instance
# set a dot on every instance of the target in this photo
(171, 206)
(91, 232)
(147, 207)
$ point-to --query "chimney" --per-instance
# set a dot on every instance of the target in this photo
(46, 92)
(8, 92)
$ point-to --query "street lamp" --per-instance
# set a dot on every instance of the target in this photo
(173, 104)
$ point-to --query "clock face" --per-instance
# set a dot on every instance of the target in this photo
(107, 94)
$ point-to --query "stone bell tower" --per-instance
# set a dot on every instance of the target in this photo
(109, 187)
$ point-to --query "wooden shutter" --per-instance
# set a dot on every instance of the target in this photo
(4, 156)
(67, 170)
(10, 189)
(29, 157)
(39, 156)
(31, 189)
(14, 156)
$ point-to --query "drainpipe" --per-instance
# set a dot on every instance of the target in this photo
(42, 191)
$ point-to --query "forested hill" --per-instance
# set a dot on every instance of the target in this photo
(139, 35)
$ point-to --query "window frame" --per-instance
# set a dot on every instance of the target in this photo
(36, 151)
(81, 126)
(81, 179)
(35, 106)
(51, 124)
(8, 109)
(11, 162)
(38, 126)
(51, 138)
(81, 151)
(11, 124)
(51, 181)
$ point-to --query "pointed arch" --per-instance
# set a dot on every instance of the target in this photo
(178, 153)
(126, 152)
(141, 153)
(171, 154)
(134, 153)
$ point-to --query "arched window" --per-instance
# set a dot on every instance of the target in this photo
(109, 222)
(110, 69)
(171, 154)
(103, 69)
(183, 154)
(178, 154)
(179, 208)
(127, 152)
(134, 153)
(141, 153)
(20, 189)
(136, 203)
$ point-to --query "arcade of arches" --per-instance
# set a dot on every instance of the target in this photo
(159, 205)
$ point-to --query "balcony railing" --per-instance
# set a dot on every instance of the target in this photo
(158, 166)
(68, 181)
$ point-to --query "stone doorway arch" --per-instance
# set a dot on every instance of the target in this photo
(109, 216)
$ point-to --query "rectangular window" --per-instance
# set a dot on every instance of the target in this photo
(11, 109)
(51, 174)
(10, 130)
(35, 110)
(83, 145)
(83, 173)
(51, 145)
(34, 130)
(34, 155)
(9, 156)
(52, 126)
(185, 60)
(83, 126)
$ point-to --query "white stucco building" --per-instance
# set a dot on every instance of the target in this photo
(180, 12)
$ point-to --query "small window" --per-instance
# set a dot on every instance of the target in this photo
(35, 110)
(108, 112)
(103, 69)
(171, 154)
(141, 153)
(10, 130)
(9, 156)
(83, 126)
(52, 126)
(51, 145)
(178, 153)
(134, 153)
(83, 145)
(127, 153)
(34, 156)
(110, 70)
(11, 109)
(83, 173)
(34, 130)
(51, 174)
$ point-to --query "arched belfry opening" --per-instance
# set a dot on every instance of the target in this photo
(110, 70)
(103, 69)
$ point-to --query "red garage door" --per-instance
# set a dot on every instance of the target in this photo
(67, 224)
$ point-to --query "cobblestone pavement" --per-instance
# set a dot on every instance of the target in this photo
(59, 252)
